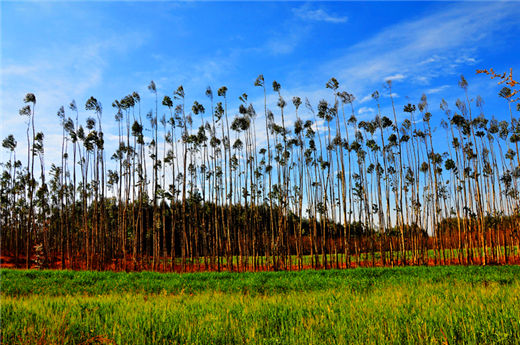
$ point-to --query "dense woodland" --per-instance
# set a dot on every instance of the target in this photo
(196, 183)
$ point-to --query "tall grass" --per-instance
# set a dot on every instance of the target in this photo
(415, 305)
(56, 283)
(434, 313)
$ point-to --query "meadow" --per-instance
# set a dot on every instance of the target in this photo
(405, 305)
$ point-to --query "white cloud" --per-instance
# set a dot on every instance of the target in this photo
(292, 33)
(365, 110)
(394, 95)
(319, 15)
(395, 77)
(57, 75)
(281, 45)
(16, 70)
(436, 89)
(466, 60)
(366, 98)
(369, 97)
(420, 48)
(429, 60)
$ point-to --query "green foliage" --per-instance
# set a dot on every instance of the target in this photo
(59, 283)
(434, 305)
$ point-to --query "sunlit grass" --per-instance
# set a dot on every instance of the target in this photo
(414, 305)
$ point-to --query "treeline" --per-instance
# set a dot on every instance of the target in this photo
(198, 187)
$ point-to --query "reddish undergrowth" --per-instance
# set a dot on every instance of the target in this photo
(7, 260)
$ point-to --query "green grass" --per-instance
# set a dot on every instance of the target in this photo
(411, 305)
(364, 256)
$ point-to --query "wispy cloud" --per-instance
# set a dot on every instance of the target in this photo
(395, 77)
(365, 110)
(369, 97)
(285, 42)
(56, 75)
(429, 60)
(318, 15)
(292, 32)
(16, 70)
(366, 98)
(466, 60)
(424, 48)
(437, 89)
(428, 49)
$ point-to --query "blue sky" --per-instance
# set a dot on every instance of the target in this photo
(63, 51)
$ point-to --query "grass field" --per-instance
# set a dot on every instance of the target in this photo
(412, 305)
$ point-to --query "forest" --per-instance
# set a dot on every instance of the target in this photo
(199, 187)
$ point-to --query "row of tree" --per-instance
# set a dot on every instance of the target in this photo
(196, 187)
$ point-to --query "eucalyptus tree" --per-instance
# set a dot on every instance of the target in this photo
(171, 158)
(118, 179)
(347, 98)
(244, 188)
(334, 144)
(222, 180)
(375, 204)
(179, 95)
(435, 162)
(162, 190)
(300, 188)
(41, 201)
(9, 188)
(131, 101)
(28, 111)
(137, 133)
(216, 173)
(201, 139)
(361, 184)
(255, 179)
(222, 92)
(62, 182)
(96, 139)
(319, 184)
(95, 105)
(487, 181)
(254, 175)
(411, 141)
(327, 114)
(248, 189)
(84, 153)
(260, 82)
(475, 176)
(70, 201)
(454, 167)
(73, 133)
(341, 144)
(491, 169)
(400, 168)
(383, 122)
(127, 154)
(238, 125)
(465, 152)
(154, 155)
(312, 184)
(282, 158)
